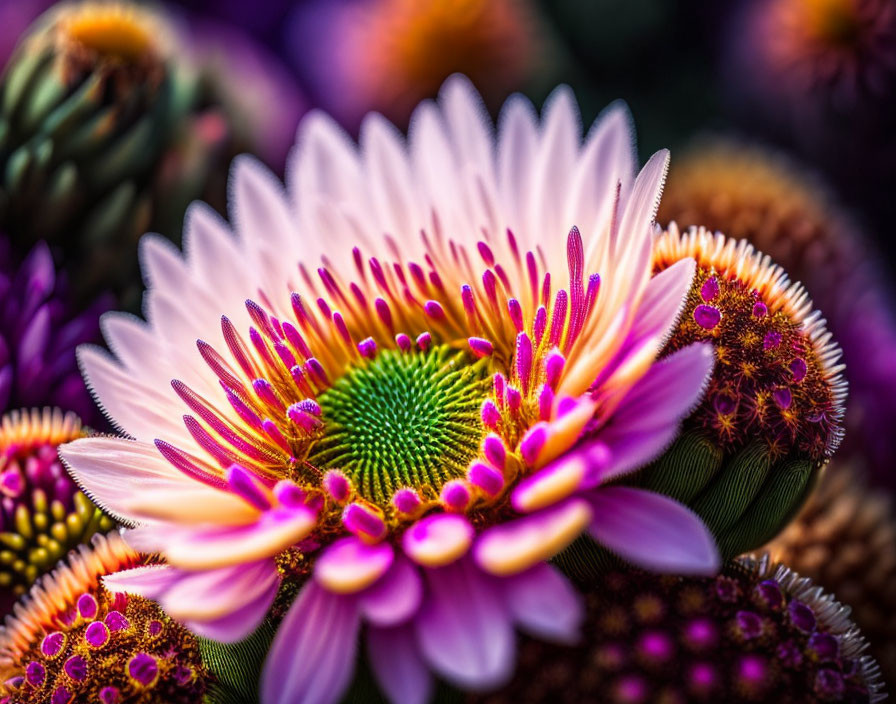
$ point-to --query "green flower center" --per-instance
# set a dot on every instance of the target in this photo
(403, 420)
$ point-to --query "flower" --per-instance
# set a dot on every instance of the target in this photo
(38, 335)
(773, 411)
(758, 632)
(845, 541)
(755, 194)
(72, 639)
(395, 53)
(811, 54)
(42, 513)
(114, 121)
(421, 402)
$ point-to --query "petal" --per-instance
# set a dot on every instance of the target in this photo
(109, 469)
(149, 581)
(664, 297)
(509, 548)
(463, 628)
(220, 546)
(652, 531)
(238, 624)
(400, 670)
(545, 604)
(213, 594)
(550, 485)
(302, 666)
(350, 565)
(437, 540)
(395, 597)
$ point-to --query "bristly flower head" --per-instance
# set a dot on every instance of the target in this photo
(422, 400)
(114, 120)
(39, 332)
(73, 640)
(758, 195)
(395, 53)
(43, 515)
(819, 53)
(757, 633)
(777, 376)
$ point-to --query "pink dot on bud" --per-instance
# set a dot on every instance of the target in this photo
(61, 695)
(403, 342)
(707, 317)
(406, 501)
(760, 310)
(799, 368)
(35, 674)
(155, 627)
(710, 289)
(783, 397)
(110, 695)
(143, 669)
(116, 621)
(337, 485)
(12, 483)
(76, 667)
(424, 341)
(52, 644)
(456, 495)
(367, 348)
(87, 607)
(97, 634)
(772, 339)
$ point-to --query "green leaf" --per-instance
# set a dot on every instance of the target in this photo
(237, 666)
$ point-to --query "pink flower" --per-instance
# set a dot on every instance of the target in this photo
(429, 401)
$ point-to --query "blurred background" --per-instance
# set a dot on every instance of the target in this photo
(779, 115)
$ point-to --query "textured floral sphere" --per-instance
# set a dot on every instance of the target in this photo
(71, 639)
(395, 53)
(845, 541)
(757, 195)
(757, 633)
(43, 515)
(39, 331)
(777, 377)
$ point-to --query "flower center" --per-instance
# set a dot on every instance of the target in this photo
(111, 30)
(403, 420)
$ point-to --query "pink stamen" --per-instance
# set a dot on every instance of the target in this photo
(533, 441)
(404, 342)
(455, 495)
(417, 274)
(367, 348)
(294, 337)
(337, 485)
(237, 348)
(591, 295)
(217, 364)
(242, 409)
(342, 328)
(523, 361)
(540, 324)
(486, 477)
(516, 314)
(267, 395)
(406, 501)
(283, 352)
(302, 419)
(514, 399)
(558, 319)
(480, 346)
(532, 269)
(434, 310)
(486, 253)
(364, 522)
(316, 370)
(545, 402)
(188, 465)
(424, 341)
(324, 308)
(273, 432)
(244, 483)
(494, 450)
(261, 347)
(499, 383)
(290, 494)
(553, 368)
(384, 313)
(359, 295)
(259, 317)
(490, 415)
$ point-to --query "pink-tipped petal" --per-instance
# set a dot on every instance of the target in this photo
(438, 539)
(399, 668)
(545, 604)
(395, 597)
(149, 581)
(213, 594)
(211, 547)
(239, 623)
(652, 531)
(510, 548)
(313, 654)
(350, 565)
(550, 485)
(464, 630)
